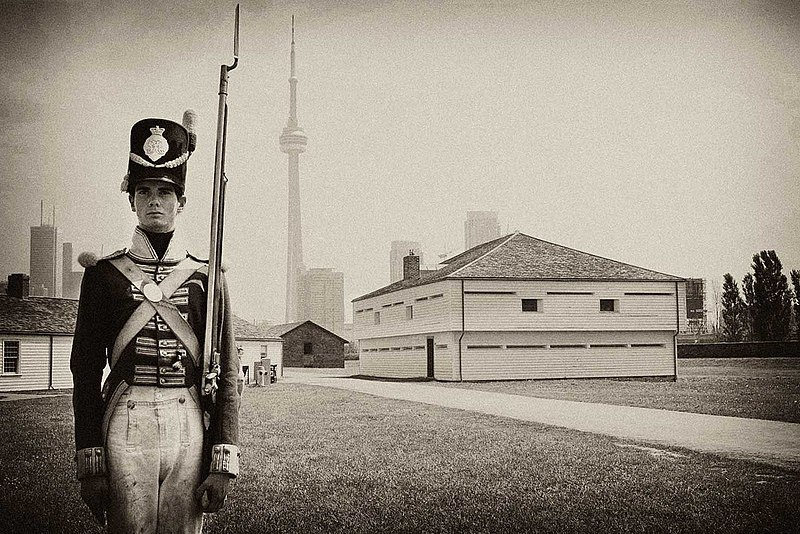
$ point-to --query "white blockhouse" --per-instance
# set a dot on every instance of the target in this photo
(518, 307)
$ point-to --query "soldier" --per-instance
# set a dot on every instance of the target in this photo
(142, 459)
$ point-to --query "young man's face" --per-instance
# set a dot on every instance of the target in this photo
(156, 205)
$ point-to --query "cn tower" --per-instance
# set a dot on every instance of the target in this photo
(293, 141)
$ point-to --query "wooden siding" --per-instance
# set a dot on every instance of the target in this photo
(407, 356)
(571, 306)
(437, 307)
(446, 356)
(527, 355)
(569, 338)
(252, 353)
(34, 364)
(62, 350)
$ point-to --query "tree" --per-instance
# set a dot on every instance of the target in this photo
(771, 305)
(749, 304)
(717, 327)
(734, 311)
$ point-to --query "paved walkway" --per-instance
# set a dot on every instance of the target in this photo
(753, 439)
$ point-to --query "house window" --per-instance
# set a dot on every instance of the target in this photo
(409, 312)
(377, 317)
(308, 348)
(11, 357)
(263, 351)
(609, 305)
(531, 305)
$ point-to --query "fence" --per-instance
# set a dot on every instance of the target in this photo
(748, 349)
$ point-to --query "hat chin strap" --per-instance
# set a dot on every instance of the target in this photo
(171, 164)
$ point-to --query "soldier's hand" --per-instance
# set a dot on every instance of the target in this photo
(212, 492)
(94, 492)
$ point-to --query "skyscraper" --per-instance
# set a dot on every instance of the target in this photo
(293, 142)
(322, 298)
(70, 280)
(399, 250)
(44, 260)
(480, 227)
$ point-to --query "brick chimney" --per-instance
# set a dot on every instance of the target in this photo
(411, 266)
(19, 285)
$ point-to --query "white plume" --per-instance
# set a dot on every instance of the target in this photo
(190, 123)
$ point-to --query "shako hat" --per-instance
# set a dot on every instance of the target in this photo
(160, 149)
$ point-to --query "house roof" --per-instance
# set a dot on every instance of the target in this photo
(522, 257)
(246, 330)
(37, 315)
(282, 329)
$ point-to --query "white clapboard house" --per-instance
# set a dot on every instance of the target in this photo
(35, 339)
(518, 307)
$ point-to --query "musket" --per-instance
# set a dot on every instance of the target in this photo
(209, 363)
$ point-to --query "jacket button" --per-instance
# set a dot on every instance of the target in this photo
(182, 400)
(131, 405)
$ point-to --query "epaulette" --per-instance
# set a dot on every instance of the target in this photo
(90, 259)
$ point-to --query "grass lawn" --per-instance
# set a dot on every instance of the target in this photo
(760, 388)
(326, 460)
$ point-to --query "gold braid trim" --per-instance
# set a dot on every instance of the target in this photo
(180, 160)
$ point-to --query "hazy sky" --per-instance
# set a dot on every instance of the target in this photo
(662, 134)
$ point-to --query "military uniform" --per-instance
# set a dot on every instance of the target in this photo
(147, 429)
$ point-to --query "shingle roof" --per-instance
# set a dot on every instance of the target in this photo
(37, 315)
(246, 330)
(48, 315)
(279, 329)
(522, 257)
(428, 277)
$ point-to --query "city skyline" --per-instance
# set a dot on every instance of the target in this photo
(480, 227)
(322, 298)
(43, 259)
(664, 136)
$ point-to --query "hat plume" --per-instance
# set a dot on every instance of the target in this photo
(189, 122)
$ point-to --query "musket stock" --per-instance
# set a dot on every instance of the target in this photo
(209, 364)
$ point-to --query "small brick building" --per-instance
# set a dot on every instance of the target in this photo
(307, 344)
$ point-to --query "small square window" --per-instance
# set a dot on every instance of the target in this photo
(609, 305)
(409, 312)
(531, 305)
(308, 348)
(377, 317)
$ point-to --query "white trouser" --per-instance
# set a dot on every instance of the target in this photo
(154, 453)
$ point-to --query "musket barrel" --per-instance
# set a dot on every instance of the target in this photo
(215, 245)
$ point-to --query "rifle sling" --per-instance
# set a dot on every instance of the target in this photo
(147, 309)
